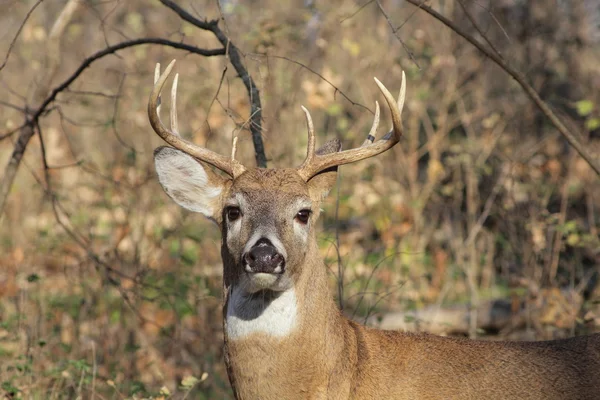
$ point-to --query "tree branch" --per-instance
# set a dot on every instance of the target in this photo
(51, 63)
(28, 129)
(12, 43)
(236, 60)
(593, 162)
(113, 49)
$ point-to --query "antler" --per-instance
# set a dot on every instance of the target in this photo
(313, 164)
(230, 166)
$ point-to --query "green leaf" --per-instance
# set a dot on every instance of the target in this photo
(592, 124)
(164, 391)
(334, 109)
(584, 107)
(409, 319)
(573, 239)
(189, 382)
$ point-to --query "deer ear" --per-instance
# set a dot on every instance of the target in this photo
(189, 183)
(320, 184)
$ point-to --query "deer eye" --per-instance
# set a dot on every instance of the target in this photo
(303, 216)
(233, 213)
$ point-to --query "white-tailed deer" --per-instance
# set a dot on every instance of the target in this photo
(284, 336)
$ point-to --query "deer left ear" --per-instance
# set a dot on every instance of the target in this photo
(190, 184)
(320, 184)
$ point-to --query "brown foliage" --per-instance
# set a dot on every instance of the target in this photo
(104, 281)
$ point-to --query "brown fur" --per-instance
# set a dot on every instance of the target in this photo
(330, 357)
(327, 356)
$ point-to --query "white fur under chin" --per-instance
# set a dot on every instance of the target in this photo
(245, 317)
(263, 281)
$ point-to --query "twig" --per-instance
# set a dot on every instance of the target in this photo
(11, 132)
(10, 105)
(27, 130)
(380, 299)
(493, 17)
(48, 188)
(371, 276)
(12, 43)
(113, 49)
(357, 11)
(395, 31)
(236, 60)
(559, 232)
(312, 71)
(474, 230)
(113, 120)
(476, 26)
(90, 93)
(52, 61)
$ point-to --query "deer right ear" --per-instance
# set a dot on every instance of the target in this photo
(191, 185)
(320, 185)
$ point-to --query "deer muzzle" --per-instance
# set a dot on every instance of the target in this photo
(263, 258)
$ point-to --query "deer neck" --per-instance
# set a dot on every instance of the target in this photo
(277, 315)
(295, 330)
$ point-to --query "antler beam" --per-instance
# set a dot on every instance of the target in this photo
(230, 166)
(314, 163)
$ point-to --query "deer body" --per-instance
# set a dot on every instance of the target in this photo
(285, 337)
(330, 357)
(319, 354)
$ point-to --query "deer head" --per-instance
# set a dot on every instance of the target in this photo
(267, 216)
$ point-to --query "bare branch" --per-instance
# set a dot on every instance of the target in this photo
(89, 93)
(10, 105)
(521, 80)
(113, 49)
(395, 31)
(8, 134)
(12, 43)
(476, 26)
(52, 62)
(352, 15)
(26, 132)
(312, 71)
(236, 60)
(28, 129)
(53, 53)
(113, 120)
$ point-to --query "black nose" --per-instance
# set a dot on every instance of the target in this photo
(264, 257)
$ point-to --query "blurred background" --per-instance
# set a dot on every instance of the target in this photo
(482, 222)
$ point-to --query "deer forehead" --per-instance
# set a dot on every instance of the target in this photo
(268, 190)
(285, 179)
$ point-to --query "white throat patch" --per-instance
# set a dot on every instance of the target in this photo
(248, 315)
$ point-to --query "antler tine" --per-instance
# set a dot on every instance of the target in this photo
(234, 147)
(310, 151)
(173, 114)
(156, 77)
(395, 108)
(402, 93)
(371, 136)
(230, 166)
(317, 163)
(400, 102)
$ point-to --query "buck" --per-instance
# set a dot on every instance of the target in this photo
(284, 336)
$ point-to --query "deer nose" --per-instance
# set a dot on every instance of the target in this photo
(263, 257)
